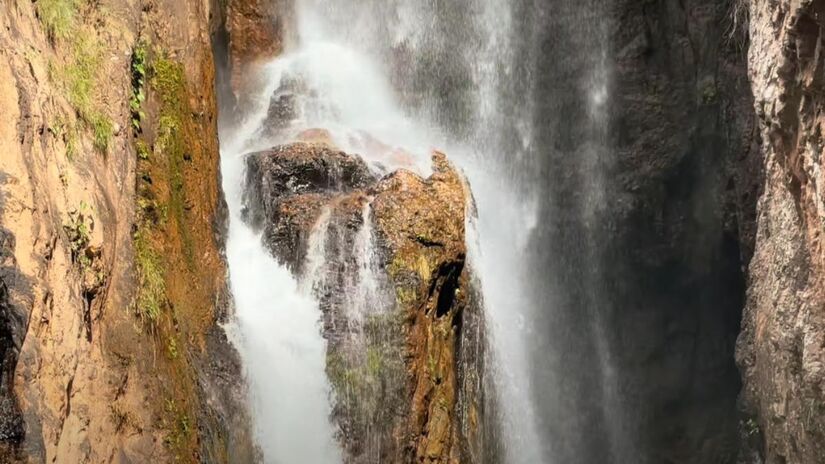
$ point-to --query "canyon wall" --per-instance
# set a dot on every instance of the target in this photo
(111, 217)
(781, 349)
(645, 132)
(689, 189)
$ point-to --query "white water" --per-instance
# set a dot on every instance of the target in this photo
(276, 331)
(314, 277)
(339, 59)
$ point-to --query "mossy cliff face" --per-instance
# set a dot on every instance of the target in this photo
(112, 280)
(405, 356)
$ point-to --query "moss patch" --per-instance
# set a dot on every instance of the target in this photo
(151, 297)
(58, 16)
(169, 82)
(80, 75)
(167, 297)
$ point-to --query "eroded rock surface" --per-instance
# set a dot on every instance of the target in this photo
(781, 349)
(387, 259)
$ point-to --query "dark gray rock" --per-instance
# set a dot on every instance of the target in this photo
(14, 315)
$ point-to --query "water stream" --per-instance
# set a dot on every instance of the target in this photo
(414, 75)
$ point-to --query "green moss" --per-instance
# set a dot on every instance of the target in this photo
(416, 263)
(709, 91)
(405, 296)
(374, 362)
(345, 381)
(58, 16)
(178, 426)
(169, 82)
(152, 286)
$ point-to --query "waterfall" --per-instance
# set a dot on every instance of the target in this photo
(408, 76)
(276, 330)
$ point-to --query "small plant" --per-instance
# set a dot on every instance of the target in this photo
(66, 132)
(78, 231)
(738, 23)
(751, 427)
(71, 143)
(177, 424)
(138, 85)
(58, 127)
(709, 92)
(172, 348)
(102, 129)
(142, 150)
(432, 366)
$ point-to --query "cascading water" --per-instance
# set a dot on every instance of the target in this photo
(399, 76)
(277, 334)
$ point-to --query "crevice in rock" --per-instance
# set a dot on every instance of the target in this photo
(446, 283)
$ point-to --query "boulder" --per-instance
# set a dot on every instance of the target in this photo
(386, 258)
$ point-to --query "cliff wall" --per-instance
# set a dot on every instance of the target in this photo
(112, 281)
(780, 351)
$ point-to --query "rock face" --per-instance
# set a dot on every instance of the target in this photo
(256, 31)
(111, 274)
(781, 349)
(640, 233)
(387, 260)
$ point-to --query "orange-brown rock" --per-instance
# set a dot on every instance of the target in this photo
(422, 221)
(256, 30)
(321, 136)
(406, 377)
(781, 350)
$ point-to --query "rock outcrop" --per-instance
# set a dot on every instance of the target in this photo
(111, 270)
(782, 350)
(387, 259)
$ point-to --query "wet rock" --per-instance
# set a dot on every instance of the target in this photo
(288, 186)
(256, 30)
(400, 313)
(321, 136)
